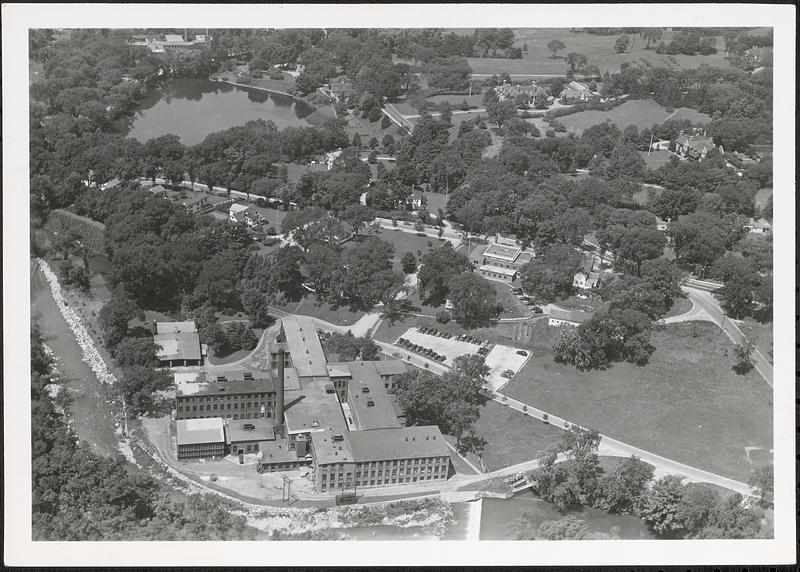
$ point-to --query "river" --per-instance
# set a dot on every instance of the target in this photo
(193, 108)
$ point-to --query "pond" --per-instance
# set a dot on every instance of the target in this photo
(193, 108)
(498, 514)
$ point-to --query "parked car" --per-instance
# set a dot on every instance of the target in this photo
(522, 353)
(536, 309)
(508, 374)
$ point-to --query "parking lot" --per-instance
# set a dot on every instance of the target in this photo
(451, 348)
(500, 359)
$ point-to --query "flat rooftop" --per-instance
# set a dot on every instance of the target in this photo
(178, 345)
(502, 252)
(175, 327)
(498, 269)
(199, 431)
(250, 430)
(305, 349)
(276, 451)
(198, 388)
(367, 397)
(311, 408)
(331, 446)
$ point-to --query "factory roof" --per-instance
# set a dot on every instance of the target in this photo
(390, 367)
(332, 446)
(177, 340)
(250, 430)
(276, 451)
(305, 349)
(370, 404)
(502, 252)
(227, 388)
(198, 431)
(312, 407)
(498, 269)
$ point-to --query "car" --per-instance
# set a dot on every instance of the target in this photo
(508, 374)
(536, 309)
(398, 355)
(522, 353)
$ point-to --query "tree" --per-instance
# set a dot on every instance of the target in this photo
(549, 276)
(114, 317)
(136, 352)
(409, 263)
(438, 267)
(763, 481)
(640, 244)
(744, 357)
(652, 35)
(555, 45)
(358, 216)
(622, 44)
(576, 62)
(660, 509)
(623, 489)
(500, 112)
(138, 385)
(351, 348)
(573, 347)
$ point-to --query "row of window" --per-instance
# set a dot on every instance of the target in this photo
(385, 481)
(380, 473)
(215, 398)
(221, 406)
(235, 417)
(394, 463)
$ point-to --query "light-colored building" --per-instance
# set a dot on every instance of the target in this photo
(378, 457)
(200, 438)
(574, 318)
(500, 261)
(243, 213)
(179, 344)
(245, 436)
(576, 91)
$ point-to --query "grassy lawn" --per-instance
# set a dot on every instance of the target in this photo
(309, 306)
(655, 159)
(407, 242)
(512, 437)
(227, 358)
(760, 334)
(474, 99)
(646, 194)
(640, 112)
(686, 404)
(283, 85)
(680, 306)
(599, 49)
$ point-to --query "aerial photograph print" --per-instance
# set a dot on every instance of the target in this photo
(302, 281)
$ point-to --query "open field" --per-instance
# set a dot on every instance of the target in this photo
(512, 437)
(599, 49)
(474, 99)
(656, 158)
(686, 404)
(640, 112)
(407, 242)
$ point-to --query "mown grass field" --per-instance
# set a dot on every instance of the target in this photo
(686, 404)
(599, 49)
(512, 437)
(640, 112)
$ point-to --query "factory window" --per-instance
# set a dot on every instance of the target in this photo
(372, 482)
(236, 406)
(201, 408)
(402, 480)
(323, 488)
(269, 414)
(414, 479)
(394, 481)
(180, 409)
(235, 416)
(194, 407)
(358, 473)
(394, 471)
(215, 406)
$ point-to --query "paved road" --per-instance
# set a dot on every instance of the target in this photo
(707, 303)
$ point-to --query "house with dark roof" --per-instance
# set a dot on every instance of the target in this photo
(694, 146)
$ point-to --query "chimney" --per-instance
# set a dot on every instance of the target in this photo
(279, 390)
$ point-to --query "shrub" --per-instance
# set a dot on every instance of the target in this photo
(545, 418)
(550, 133)
(443, 316)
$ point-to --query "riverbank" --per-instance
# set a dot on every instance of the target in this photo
(246, 86)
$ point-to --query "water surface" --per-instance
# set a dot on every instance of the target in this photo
(193, 108)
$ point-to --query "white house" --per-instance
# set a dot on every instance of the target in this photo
(243, 213)
(574, 318)
(585, 280)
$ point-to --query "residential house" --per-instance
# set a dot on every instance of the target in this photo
(576, 91)
(113, 183)
(760, 226)
(694, 146)
(196, 203)
(586, 278)
(158, 191)
(243, 213)
(341, 88)
(574, 318)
